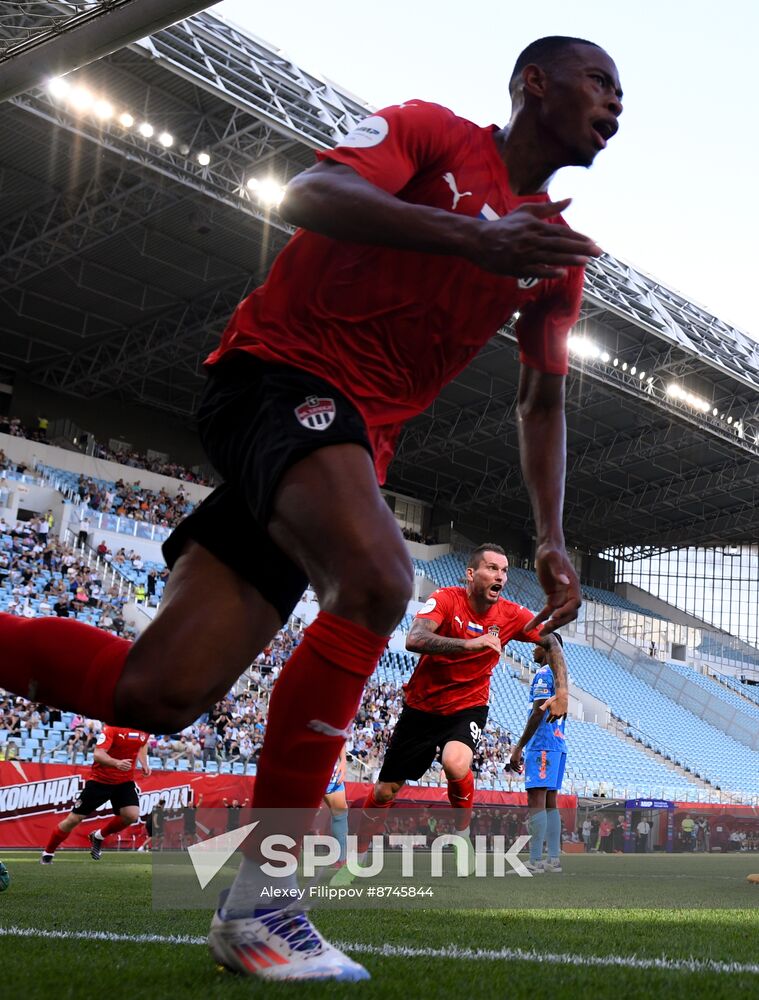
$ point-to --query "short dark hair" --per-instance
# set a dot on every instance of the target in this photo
(544, 50)
(476, 557)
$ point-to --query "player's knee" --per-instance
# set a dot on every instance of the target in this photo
(138, 703)
(375, 591)
(130, 815)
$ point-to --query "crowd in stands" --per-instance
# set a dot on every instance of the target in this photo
(136, 460)
(417, 536)
(41, 576)
(14, 427)
(133, 500)
(6, 465)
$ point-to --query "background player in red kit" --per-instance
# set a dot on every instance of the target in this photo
(422, 233)
(111, 779)
(460, 632)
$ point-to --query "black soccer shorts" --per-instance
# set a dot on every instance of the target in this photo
(418, 737)
(95, 793)
(256, 420)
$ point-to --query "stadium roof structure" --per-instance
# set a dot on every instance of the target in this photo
(122, 256)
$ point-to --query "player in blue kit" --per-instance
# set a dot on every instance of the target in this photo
(545, 754)
(337, 803)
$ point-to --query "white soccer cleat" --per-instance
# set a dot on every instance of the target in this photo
(278, 944)
(46, 859)
(552, 865)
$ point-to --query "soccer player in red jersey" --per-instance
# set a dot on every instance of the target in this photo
(421, 234)
(460, 633)
(117, 751)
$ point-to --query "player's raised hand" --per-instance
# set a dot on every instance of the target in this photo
(525, 245)
(559, 581)
(484, 641)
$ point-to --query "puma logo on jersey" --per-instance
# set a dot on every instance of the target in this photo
(457, 619)
(450, 180)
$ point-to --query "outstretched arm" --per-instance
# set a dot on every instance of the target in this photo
(542, 446)
(336, 201)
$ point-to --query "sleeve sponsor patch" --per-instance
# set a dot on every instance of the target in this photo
(100, 740)
(428, 607)
(369, 132)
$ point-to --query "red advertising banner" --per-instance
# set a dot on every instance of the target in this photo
(34, 798)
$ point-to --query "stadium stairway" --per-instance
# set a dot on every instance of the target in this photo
(619, 730)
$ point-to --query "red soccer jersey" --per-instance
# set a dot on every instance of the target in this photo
(446, 684)
(390, 327)
(122, 744)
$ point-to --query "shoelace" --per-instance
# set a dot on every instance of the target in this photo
(294, 928)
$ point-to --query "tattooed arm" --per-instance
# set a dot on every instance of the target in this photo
(422, 639)
(558, 705)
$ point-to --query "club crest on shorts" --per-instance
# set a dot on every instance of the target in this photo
(317, 413)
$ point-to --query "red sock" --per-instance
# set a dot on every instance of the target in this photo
(461, 797)
(114, 825)
(315, 699)
(56, 838)
(372, 821)
(62, 662)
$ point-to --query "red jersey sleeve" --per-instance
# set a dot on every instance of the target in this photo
(523, 617)
(437, 607)
(544, 324)
(105, 739)
(389, 147)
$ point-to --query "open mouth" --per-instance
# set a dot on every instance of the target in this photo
(604, 129)
(495, 589)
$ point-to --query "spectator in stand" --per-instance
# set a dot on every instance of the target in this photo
(163, 750)
(210, 740)
(84, 530)
(178, 747)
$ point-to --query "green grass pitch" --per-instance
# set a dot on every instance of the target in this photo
(608, 926)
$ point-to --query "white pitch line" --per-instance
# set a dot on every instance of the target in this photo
(102, 936)
(402, 951)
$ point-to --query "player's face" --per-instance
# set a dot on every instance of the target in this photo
(581, 104)
(539, 655)
(489, 578)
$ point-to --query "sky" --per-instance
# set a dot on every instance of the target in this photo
(672, 194)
